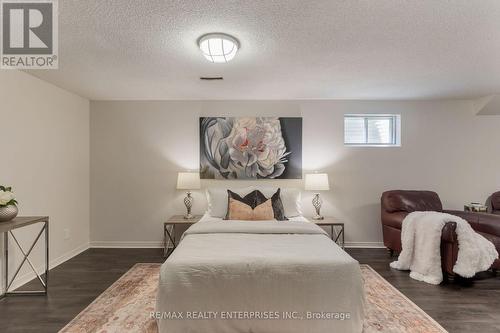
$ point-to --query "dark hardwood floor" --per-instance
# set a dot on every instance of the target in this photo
(460, 306)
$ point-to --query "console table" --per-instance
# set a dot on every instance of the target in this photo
(7, 229)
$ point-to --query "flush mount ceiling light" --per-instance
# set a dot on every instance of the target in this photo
(218, 48)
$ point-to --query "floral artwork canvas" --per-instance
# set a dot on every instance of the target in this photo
(250, 148)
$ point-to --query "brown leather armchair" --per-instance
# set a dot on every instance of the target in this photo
(495, 203)
(397, 204)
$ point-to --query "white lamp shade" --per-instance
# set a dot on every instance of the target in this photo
(188, 181)
(317, 182)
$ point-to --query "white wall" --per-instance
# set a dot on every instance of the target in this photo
(137, 148)
(44, 156)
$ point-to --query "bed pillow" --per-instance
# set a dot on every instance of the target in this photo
(290, 197)
(217, 199)
(239, 210)
(278, 209)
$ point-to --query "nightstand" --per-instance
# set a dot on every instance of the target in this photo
(337, 229)
(170, 234)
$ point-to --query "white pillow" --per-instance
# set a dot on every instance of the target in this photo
(292, 201)
(290, 197)
(217, 199)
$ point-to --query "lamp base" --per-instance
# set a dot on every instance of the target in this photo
(317, 206)
(188, 201)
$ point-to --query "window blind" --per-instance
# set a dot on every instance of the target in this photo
(372, 130)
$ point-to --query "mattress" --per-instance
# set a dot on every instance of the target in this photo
(259, 276)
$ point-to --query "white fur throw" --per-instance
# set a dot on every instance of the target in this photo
(421, 253)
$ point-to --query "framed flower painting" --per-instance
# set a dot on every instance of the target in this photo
(250, 148)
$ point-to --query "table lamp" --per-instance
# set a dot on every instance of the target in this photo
(317, 182)
(188, 181)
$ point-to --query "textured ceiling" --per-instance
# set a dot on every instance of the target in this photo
(291, 49)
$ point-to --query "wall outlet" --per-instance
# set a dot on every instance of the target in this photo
(67, 234)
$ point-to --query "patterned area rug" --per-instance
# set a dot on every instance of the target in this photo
(126, 306)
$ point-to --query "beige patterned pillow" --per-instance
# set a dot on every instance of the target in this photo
(238, 210)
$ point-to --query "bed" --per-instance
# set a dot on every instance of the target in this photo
(261, 277)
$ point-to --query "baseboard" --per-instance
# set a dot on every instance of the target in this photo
(155, 244)
(369, 245)
(127, 244)
(25, 278)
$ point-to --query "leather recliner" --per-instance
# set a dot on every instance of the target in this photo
(495, 203)
(397, 204)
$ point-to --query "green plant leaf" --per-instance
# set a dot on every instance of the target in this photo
(12, 202)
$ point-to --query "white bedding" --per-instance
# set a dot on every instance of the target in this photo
(240, 270)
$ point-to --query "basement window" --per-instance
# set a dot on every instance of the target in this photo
(372, 130)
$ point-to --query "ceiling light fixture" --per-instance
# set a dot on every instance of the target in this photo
(218, 47)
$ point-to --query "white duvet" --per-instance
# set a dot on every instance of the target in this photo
(259, 277)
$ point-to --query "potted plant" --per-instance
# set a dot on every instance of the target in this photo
(8, 204)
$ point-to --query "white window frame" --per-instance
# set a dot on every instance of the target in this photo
(395, 129)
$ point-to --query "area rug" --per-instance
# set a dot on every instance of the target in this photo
(127, 304)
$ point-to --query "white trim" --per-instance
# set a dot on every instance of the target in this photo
(127, 244)
(25, 278)
(159, 244)
(365, 245)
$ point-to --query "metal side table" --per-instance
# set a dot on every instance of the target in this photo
(7, 229)
(337, 229)
(169, 235)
